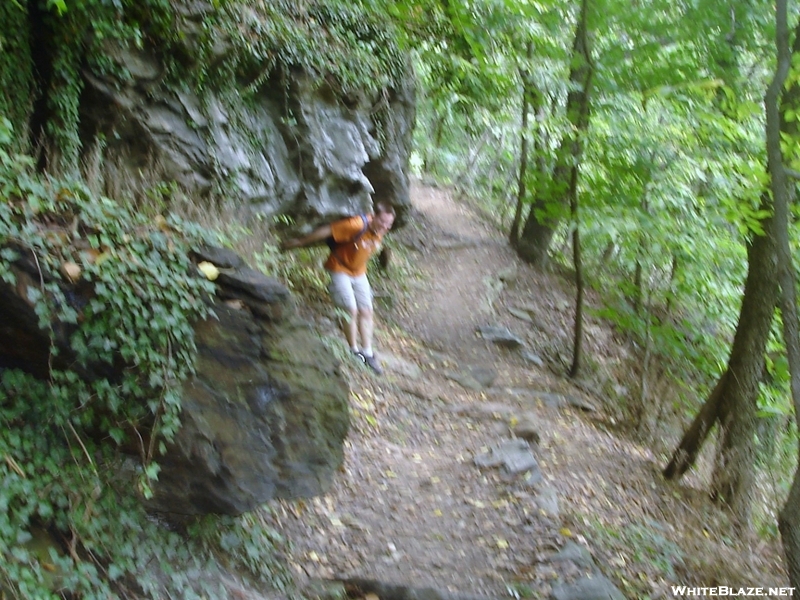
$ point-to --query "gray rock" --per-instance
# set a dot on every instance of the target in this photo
(265, 296)
(256, 284)
(550, 400)
(527, 430)
(532, 358)
(521, 314)
(580, 403)
(221, 257)
(483, 375)
(508, 274)
(484, 410)
(575, 553)
(359, 588)
(326, 162)
(264, 417)
(501, 336)
(588, 588)
(515, 455)
(533, 477)
(473, 378)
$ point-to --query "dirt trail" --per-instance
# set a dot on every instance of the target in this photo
(412, 507)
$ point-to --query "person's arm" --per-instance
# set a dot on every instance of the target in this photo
(319, 234)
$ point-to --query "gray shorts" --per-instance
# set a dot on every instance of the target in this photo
(350, 293)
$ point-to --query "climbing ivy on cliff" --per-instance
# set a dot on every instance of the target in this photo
(115, 295)
(16, 70)
(351, 46)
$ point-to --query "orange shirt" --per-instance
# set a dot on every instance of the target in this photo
(350, 256)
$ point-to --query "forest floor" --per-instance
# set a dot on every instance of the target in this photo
(411, 505)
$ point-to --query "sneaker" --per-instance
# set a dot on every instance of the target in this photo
(359, 356)
(371, 362)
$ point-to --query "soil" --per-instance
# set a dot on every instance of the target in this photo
(411, 506)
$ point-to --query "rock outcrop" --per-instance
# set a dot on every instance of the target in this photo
(292, 147)
(265, 415)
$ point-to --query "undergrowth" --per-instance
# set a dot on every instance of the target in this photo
(115, 295)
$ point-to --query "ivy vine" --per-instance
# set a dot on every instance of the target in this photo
(115, 294)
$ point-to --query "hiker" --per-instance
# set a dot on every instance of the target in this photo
(352, 241)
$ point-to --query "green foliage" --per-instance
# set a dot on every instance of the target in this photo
(349, 41)
(80, 34)
(301, 270)
(352, 48)
(16, 68)
(115, 294)
(672, 176)
(248, 542)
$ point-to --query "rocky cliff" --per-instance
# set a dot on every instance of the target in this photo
(277, 135)
(265, 414)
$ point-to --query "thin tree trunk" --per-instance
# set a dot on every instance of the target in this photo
(583, 125)
(643, 383)
(578, 263)
(513, 235)
(638, 286)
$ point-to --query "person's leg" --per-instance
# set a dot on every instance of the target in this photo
(343, 294)
(363, 295)
(366, 328)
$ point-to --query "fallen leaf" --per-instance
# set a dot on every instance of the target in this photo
(209, 270)
(71, 271)
(502, 544)
(565, 532)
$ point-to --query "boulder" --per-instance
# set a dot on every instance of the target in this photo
(264, 416)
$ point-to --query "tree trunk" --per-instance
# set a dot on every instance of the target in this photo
(789, 518)
(789, 526)
(686, 453)
(513, 235)
(732, 403)
(583, 125)
(551, 203)
(578, 263)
